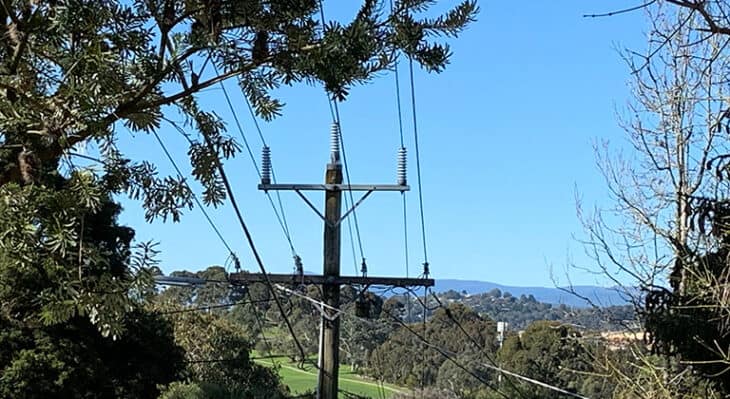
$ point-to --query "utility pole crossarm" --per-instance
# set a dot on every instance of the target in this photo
(247, 278)
(334, 187)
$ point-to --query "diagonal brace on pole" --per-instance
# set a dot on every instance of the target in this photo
(349, 211)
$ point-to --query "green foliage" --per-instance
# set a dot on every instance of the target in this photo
(549, 352)
(62, 255)
(691, 324)
(521, 311)
(404, 360)
(76, 72)
(217, 352)
(452, 378)
(179, 390)
(71, 284)
(73, 360)
(360, 336)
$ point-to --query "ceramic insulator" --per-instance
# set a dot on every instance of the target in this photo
(335, 141)
(266, 165)
(402, 166)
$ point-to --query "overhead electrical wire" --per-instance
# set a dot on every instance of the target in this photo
(352, 242)
(493, 364)
(425, 334)
(347, 177)
(235, 359)
(195, 197)
(255, 120)
(261, 325)
(461, 328)
(252, 245)
(536, 382)
(211, 307)
(280, 214)
(426, 270)
(446, 355)
(443, 352)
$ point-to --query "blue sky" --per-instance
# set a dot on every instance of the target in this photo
(506, 135)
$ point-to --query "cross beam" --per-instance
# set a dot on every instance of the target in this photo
(334, 187)
(246, 278)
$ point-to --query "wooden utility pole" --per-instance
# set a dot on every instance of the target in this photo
(329, 351)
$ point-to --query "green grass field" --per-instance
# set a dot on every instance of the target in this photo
(301, 380)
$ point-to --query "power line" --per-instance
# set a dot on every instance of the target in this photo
(285, 224)
(443, 352)
(251, 243)
(418, 167)
(450, 315)
(267, 343)
(281, 218)
(235, 359)
(397, 92)
(319, 303)
(210, 307)
(425, 333)
(405, 244)
(347, 177)
(402, 146)
(195, 197)
(273, 172)
(493, 365)
(536, 382)
(255, 120)
(352, 242)
(446, 355)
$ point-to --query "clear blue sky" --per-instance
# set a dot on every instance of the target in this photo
(506, 138)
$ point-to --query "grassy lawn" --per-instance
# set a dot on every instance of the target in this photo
(301, 380)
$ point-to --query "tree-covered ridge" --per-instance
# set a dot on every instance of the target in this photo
(521, 311)
(447, 354)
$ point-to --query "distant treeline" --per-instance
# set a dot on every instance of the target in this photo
(520, 311)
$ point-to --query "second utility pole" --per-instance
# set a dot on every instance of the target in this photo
(330, 351)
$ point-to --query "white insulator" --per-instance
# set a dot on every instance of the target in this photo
(402, 166)
(335, 142)
(266, 165)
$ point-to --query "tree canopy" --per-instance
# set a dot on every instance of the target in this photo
(74, 75)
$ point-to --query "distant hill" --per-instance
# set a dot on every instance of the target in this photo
(601, 296)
